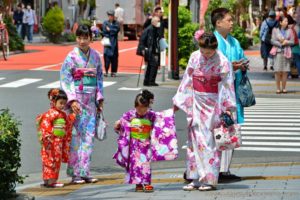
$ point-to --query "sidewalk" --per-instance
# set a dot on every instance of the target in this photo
(277, 181)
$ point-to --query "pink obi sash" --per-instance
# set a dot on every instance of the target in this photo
(207, 84)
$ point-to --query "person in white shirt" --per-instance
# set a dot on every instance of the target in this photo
(29, 18)
(119, 15)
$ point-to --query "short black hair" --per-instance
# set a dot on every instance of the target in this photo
(84, 30)
(157, 8)
(144, 98)
(208, 41)
(117, 4)
(218, 14)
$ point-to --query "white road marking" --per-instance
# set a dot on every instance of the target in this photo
(56, 84)
(129, 89)
(19, 83)
(2, 78)
(267, 149)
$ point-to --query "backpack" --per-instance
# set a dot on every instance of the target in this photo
(269, 32)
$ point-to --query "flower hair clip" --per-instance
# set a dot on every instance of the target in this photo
(53, 94)
(198, 34)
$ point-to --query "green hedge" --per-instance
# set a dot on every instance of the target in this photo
(10, 160)
(15, 42)
(53, 23)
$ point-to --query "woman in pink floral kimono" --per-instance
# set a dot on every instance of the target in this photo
(206, 91)
(144, 136)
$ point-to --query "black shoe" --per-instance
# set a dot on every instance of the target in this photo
(147, 84)
(154, 84)
(106, 75)
(265, 69)
(228, 178)
(113, 75)
(272, 68)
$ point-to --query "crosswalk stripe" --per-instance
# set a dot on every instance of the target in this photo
(129, 89)
(19, 83)
(272, 125)
(56, 84)
(2, 78)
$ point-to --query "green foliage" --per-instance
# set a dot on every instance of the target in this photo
(186, 30)
(85, 22)
(148, 7)
(53, 23)
(10, 160)
(69, 37)
(15, 42)
(240, 34)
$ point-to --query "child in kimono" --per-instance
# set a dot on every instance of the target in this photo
(54, 129)
(144, 136)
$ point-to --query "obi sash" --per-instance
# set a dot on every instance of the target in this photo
(85, 77)
(59, 127)
(207, 84)
(140, 128)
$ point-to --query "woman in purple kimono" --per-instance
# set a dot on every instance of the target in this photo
(206, 91)
(144, 136)
(81, 78)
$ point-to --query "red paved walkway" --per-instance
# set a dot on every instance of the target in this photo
(50, 57)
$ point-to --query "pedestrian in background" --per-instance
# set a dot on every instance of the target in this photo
(150, 49)
(81, 79)
(265, 36)
(119, 14)
(222, 21)
(282, 40)
(142, 134)
(110, 29)
(18, 19)
(157, 13)
(30, 21)
(55, 132)
(206, 91)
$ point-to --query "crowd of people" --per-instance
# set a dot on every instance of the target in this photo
(68, 128)
(279, 35)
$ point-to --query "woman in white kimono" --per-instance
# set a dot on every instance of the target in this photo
(206, 91)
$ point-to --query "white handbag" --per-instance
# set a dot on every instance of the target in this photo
(105, 42)
(227, 138)
(100, 127)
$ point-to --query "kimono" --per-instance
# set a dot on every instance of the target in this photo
(143, 139)
(232, 50)
(81, 79)
(54, 129)
(206, 91)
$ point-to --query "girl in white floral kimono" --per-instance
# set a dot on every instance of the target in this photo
(206, 91)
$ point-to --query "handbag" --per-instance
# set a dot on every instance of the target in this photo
(105, 42)
(227, 138)
(100, 127)
(245, 93)
(273, 51)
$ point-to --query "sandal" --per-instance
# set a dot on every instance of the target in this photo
(90, 179)
(278, 92)
(78, 180)
(139, 188)
(190, 187)
(53, 185)
(284, 92)
(148, 188)
(206, 188)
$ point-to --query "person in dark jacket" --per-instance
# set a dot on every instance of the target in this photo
(149, 48)
(110, 30)
(18, 19)
(164, 22)
(265, 37)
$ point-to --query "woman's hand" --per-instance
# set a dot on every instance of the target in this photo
(75, 107)
(175, 108)
(100, 105)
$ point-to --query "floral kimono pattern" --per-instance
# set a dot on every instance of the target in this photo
(206, 90)
(135, 155)
(55, 148)
(81, 79)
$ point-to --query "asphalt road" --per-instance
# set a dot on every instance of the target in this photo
(27, 101)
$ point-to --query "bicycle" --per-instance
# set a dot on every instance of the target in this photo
(4, 41)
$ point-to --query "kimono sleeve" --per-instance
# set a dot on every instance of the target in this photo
(183, 99)
(66, 79)
(68, 137)
(226, 96)
(99, 95)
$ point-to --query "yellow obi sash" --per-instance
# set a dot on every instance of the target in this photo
(140, 128)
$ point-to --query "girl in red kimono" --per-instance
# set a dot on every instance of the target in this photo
(54, 129)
